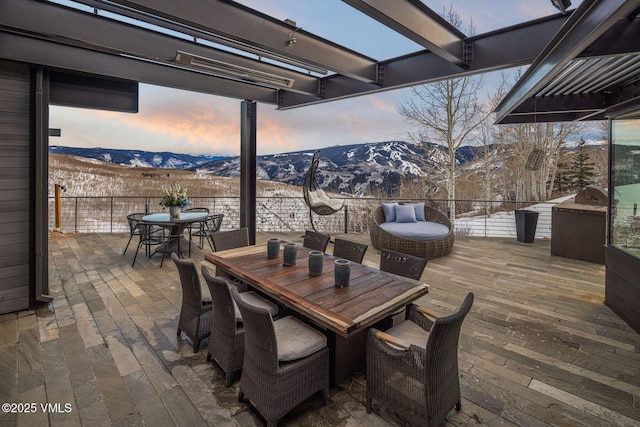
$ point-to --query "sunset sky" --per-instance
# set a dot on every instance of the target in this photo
(188, 122)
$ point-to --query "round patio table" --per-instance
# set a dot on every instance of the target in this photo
(176, 240)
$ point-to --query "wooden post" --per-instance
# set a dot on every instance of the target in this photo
(57, 202)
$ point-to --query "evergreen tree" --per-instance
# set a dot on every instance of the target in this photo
(563, 174)
(583, 169)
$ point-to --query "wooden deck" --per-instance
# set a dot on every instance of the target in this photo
(538, 348)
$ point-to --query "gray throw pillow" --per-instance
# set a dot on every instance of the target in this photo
(405, 213)
(419, 207)
(389, 212)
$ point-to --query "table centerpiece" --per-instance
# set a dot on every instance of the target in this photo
(175, 198)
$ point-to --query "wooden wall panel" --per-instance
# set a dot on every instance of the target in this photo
(15, 187)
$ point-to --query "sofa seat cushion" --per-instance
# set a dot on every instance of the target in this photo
(421, 230)
(297, 340)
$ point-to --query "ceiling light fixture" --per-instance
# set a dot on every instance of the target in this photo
(196, 33)
(561, 5)
(224, 69)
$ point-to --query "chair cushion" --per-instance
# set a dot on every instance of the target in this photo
(389, 211)
(205, 293)
(420, 230)
(297, 340)
(419, 208)
(318, 198)
(410, 332)
(254, 299)
(405, 213)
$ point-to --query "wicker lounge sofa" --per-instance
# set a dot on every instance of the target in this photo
(429, 245)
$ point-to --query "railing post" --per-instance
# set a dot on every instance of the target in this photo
(111, 215)
(57, 205)
(75, 221)
(346, 218)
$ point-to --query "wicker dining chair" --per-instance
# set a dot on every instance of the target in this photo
(412, 368)
(316, 241)
(285, 362)
(196, 311)
(347, 249)
(226, 343)
(402, 264)
(224, 240)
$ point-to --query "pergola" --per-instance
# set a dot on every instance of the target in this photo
(93, 53)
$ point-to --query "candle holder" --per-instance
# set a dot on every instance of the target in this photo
(290, 254)
(273, 248)
(316, 261)
(342, 272)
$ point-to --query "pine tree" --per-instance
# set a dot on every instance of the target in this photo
(563, 179)
(583, 169)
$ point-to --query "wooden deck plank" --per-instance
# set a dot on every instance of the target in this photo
(539, 346)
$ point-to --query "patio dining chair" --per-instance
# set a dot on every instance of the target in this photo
(401, 264)
(412, 368)
(133, 220)
(316, 241)
(211, 225)
(149, 236)
(224, 240)
(285, 362)
(226, 343)
(197, 229)
(347, 249)
(196, 312)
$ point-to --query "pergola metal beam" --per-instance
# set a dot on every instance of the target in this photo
(89, 31)
(590, 21)
(559, 108)
(41, 52)
(417, 22)
(232, 20)
(552, 117)
(622, 38)
(248, 167)
(510, 47)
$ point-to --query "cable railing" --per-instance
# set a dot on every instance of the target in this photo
(107, 214)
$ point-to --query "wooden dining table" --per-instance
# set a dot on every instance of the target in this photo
(343, 313)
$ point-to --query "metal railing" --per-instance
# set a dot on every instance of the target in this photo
(486, 218)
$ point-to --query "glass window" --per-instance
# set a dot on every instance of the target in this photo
(625, 183)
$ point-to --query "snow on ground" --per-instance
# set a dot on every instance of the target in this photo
(503, 224)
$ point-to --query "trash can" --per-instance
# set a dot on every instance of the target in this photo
(526, 223)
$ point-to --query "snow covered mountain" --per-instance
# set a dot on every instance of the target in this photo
(349, 169)
(137, 158)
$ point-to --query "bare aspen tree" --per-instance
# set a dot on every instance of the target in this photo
(521, 140)
(446, 113)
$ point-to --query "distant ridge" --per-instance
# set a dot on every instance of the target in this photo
(352, 169)
(137, 158)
